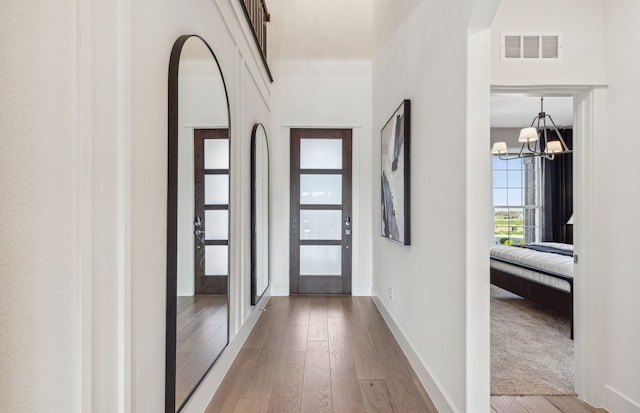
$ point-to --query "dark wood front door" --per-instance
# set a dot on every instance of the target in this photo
(211, 217)
(321, 220)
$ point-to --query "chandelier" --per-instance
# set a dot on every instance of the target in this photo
(536, 140)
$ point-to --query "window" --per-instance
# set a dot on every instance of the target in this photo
(516, 200)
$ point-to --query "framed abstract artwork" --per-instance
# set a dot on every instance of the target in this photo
(395, 169)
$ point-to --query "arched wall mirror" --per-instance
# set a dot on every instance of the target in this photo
(197, 218)
(259, 212)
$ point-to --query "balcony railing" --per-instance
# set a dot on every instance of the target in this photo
(258, 16)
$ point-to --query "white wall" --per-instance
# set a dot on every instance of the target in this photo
(318, 87)
(84, 134)
(429, 278)
(39, 224)
(617, 247)
(580, 26)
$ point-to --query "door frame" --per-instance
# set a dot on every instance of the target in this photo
(208, 284)
(589, 113)
(345, 287)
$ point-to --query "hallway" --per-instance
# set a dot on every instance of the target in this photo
(321, 354)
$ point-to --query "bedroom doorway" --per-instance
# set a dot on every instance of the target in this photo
(532, 352)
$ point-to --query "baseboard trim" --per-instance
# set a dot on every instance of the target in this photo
(430, 385)
(279, 291)
(204, 393)
(364, 291)
(616, 402)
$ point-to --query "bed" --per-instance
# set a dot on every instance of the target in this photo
(541, 272)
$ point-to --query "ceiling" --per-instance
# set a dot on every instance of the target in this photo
(518, 111)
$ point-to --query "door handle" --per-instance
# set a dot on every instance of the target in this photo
(347, 231)
(198, 232)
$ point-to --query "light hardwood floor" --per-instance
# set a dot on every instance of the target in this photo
(321, 354)
(201, 329)
(336, 354)
(540, 404)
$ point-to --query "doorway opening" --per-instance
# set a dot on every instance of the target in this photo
(532, 347)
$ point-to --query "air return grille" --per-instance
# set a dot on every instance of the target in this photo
(530, 47)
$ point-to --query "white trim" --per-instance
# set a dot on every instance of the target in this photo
(205, 391)
(280, 291)
(589, 122)
(618, 403)
(478, 177)
(333, 122)
(589, 117)
(84, 205)
(431, 386)
(362, 290)
(124, 208)
(320, 122)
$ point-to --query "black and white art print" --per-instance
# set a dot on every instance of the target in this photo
(395, 175)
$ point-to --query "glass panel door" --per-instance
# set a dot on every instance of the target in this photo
(320, 211)
(211, 216)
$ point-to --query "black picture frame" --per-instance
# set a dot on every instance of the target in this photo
(395, 175)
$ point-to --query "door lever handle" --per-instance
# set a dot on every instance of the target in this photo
(198, 232)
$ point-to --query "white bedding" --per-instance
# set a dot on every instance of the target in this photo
(556, 263)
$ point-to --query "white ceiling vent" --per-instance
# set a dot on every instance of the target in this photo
(530, 46)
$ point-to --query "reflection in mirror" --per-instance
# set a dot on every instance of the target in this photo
(259, 212)
(197, 218)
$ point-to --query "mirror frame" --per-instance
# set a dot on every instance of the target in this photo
(172, 221)
(257, 295)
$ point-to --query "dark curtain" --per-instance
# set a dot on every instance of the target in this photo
(557, 190)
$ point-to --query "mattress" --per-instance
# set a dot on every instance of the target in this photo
(554, 263)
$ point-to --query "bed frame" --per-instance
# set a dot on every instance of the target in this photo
(544, 295)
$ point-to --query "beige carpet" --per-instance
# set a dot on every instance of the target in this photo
(531, 352)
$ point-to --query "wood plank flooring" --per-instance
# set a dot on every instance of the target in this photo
(336, 354)
(541, 404)
(201, 335)
(321, 354)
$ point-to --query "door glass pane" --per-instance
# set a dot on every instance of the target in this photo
(321, 189)
(216, 224)
(216, 154)
(320, 224)
(216, 189)
(216, 260)
(320, 260)
(321, 153)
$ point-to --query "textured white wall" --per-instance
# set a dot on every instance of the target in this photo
(38, 259)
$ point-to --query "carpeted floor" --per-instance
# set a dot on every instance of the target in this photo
(531, 352)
